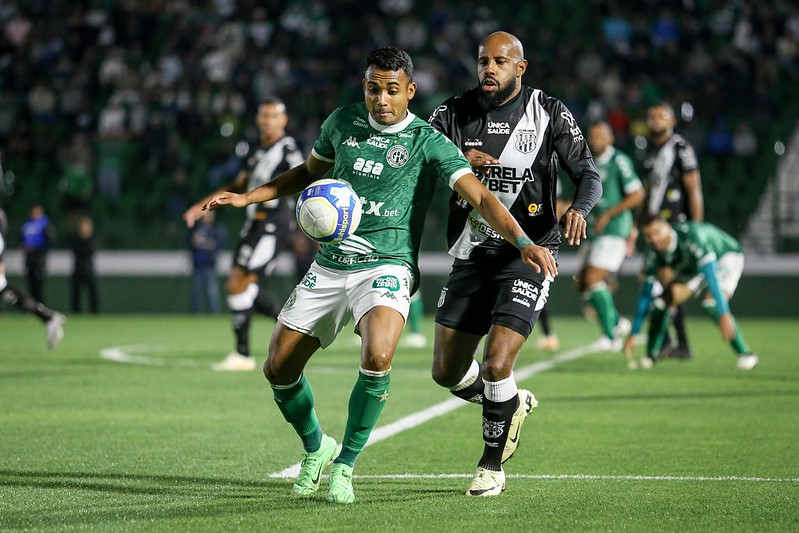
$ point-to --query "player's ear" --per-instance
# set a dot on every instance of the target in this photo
(521, 68)
(411, 90)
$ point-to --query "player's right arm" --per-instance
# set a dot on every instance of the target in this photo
(196, 211)
(289, 182)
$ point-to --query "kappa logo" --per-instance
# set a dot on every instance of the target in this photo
(350, 141)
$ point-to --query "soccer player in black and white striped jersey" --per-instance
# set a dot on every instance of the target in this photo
(515, 137)
(266, 232)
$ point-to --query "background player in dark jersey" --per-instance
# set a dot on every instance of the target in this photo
(673, 191)
(515, 137)
(54, 321)
(265, 233)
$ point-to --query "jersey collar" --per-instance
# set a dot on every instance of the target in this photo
(606, 155)
(393, 128)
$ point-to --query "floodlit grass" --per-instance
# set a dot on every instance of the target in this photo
(164, 443)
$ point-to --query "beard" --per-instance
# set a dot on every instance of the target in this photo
(498, 97)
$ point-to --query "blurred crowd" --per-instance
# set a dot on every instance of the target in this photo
(130, 109)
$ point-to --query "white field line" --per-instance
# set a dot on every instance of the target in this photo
(420, 417)
(590, 477)
(125, 354)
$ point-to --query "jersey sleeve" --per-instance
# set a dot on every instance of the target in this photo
(447, 159)
(630, 182)
(687, 158)
(698, 244)
(575, 158)
(443, 119)
(324, 148)
(294, 157)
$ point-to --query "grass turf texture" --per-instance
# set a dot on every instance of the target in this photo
(93, 444)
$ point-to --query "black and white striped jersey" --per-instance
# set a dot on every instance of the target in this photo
(263, 164)
(532, 136)
(666, 165)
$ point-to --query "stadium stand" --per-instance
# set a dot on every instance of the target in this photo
(162, 89)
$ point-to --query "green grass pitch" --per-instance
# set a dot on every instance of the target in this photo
(162, 443)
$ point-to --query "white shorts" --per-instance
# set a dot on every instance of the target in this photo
(606, 252)
(325, 300)
(731, 266)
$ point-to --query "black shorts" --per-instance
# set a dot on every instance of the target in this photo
(256, 250)
(481, 294)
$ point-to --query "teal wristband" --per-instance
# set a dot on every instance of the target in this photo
(523, 241)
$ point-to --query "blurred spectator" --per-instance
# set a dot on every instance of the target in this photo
(83, 246)
(37, 236)
(77, 178)
(207, 239)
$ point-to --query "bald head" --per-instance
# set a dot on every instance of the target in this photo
(500, 65)
(505, 41)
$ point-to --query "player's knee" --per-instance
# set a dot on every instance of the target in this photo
(497, 368)
(443, 373)
(377, 361)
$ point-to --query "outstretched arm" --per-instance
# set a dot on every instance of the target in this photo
(498, 217)
(196, 211)
(289, 182)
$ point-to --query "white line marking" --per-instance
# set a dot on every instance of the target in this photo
(420, 417)
(589, 477)
(123, 354)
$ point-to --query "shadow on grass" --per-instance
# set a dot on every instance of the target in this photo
(85, 499)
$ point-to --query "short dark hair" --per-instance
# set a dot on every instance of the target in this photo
(664, 105)
(271, 100)
(648, 218)
(390, 58)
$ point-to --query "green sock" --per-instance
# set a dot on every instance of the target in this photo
(296, 403)
(659, 324)
(415, 313)
(367, 399)
(738, 342)
(599, 296)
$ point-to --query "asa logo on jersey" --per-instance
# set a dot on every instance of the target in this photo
(367, 168)
(397, 156)
(525, 141)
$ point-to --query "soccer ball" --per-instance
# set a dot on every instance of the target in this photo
(329, 211)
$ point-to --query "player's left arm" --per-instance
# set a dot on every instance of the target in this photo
(575, 157)
(289, 182)
(692, 182)
(499, 218)
(710, 270)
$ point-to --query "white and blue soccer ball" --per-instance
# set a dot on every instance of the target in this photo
(329, 211)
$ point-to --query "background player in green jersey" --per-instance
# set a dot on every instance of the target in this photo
(705, 261)
(609, 226)
(393, 160)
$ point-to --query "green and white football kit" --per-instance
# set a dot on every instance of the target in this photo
(394, 169)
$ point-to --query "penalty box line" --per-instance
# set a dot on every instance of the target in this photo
(420, 417)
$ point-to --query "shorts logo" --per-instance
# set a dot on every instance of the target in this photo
(397, 156)
(525, 141)
(386, 282)
(442, 297)
(291, 300)
(389, 295)
(309, 280)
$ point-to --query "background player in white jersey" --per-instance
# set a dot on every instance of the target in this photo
(516, 137)
(609, 226)
(265, 233)
(393, 161)
(53, 320)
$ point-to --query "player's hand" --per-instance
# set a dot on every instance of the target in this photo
(541, 259)
(631, 238)
(573, 226)
(727, 326)
(600, 223)
(480, 160)
(193, 214)
(629, 347)
(226, 198)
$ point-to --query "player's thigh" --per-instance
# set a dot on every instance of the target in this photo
(607, 253)
(380, 329)
(731, 267)
(466, 301)
(318, 305)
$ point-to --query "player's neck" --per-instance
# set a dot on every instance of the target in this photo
(270, 139)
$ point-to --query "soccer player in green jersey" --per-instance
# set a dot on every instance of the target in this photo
(393, 160)
(705, 261)
(609, 226)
